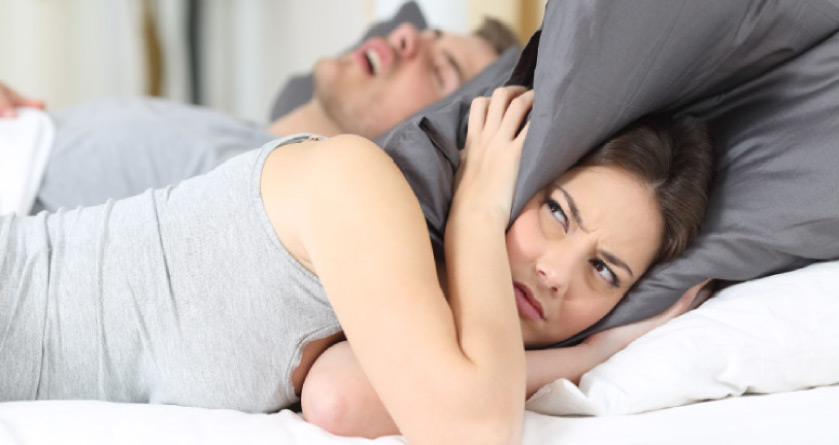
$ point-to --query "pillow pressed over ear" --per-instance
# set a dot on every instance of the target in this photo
(299, 89)
(774, 206)
(761, 74)
(769, 335)
(597, 65)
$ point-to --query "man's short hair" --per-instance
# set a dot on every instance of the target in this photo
(500, 36)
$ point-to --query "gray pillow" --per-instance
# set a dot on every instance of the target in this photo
(442, 125)
(598, 65)
(299, 89)
(775, 205)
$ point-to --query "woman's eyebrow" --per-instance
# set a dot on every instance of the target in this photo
(572, 205)
(616, 261)
(575, 215)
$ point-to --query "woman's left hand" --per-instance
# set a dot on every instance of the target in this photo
(486, 178)
(606, 343)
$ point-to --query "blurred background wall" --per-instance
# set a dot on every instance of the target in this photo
(232, 55)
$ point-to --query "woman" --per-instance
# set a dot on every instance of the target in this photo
(576, 248)
(221, 291)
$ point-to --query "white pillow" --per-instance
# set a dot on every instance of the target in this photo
(25, 145)
(779, 333)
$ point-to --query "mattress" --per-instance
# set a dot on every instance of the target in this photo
(797, 417)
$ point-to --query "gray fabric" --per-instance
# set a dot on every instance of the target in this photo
(775, 205)
(182, 295)
(667, 55)
(597, 65)
(299, 89)
(115, 148)
(425, 147)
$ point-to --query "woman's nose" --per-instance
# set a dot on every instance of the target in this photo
(405, 40)
(556, 266)
(550, 279)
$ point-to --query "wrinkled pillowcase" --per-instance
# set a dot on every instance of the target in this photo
(769, 335)
(764, 75)
(761, 73)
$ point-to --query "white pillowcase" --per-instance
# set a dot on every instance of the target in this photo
(25, 145)
(779, 333)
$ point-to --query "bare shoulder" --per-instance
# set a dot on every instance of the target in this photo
(347, 175)
(342, 157)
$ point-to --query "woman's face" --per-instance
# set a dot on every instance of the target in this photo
(577, 247)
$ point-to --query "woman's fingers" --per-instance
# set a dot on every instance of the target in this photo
(477, 118)
(692, 298)
(495, 124)
(519, 140)
(515, 114)
(706, 290)
(500, 102)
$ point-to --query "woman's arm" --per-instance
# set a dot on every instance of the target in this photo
(338, 397)
(348, 212)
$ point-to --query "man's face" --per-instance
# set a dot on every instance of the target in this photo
(386, 80)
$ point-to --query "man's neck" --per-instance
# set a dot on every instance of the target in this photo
(307, 118)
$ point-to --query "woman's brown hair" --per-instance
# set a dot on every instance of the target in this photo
(675, 158)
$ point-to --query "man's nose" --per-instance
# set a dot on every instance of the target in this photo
(405, 40)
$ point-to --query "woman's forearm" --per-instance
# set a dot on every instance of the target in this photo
(481, 293)
(480, 284)
(481, 296)
(338, 397)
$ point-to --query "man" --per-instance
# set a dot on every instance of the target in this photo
(386, 80)
(120, 147)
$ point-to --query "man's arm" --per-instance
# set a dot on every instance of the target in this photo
(9, 99)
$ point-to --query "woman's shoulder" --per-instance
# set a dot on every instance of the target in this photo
(310, 186)
(344, 160)
(348, 154)
(347, 165)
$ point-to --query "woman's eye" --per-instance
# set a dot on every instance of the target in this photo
(555, 210)
(604, 271)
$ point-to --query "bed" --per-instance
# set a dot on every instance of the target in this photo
(758, 363)
(754, 364)
(800, 417)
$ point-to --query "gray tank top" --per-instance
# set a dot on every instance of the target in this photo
(182, 295)
(116, 148)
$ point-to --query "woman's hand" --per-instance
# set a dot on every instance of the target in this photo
(9, 99)
(606, 343)
(486, 178)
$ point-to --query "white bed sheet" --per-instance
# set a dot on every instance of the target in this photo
(800, 417)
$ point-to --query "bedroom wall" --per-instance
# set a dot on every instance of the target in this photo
(65, 50)
(69, 51)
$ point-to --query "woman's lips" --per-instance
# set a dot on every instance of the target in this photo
(527, 303)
